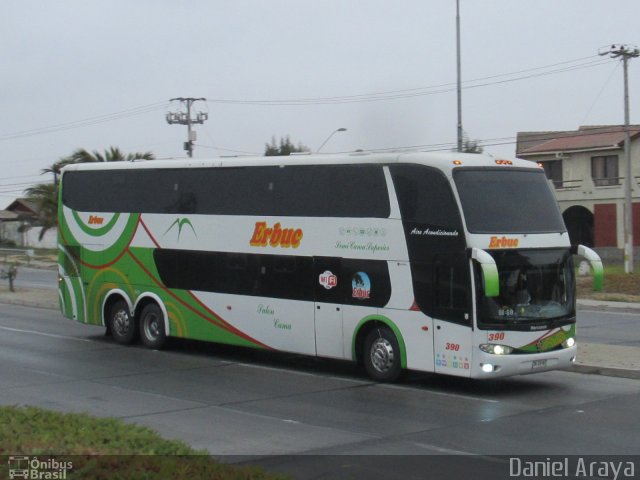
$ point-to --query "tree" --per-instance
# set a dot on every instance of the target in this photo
(45, 195)
(285, 148)
(112, 154)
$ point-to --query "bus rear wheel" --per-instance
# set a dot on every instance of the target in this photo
(152, 330)
(382, 355)
(121, 324)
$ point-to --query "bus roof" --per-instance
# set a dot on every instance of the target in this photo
(443, 161)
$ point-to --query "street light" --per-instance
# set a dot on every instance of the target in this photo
(329, 138)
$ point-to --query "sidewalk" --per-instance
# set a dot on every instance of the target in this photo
(593, 358)
(609, 360)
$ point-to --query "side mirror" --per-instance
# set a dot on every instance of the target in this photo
(489, 272)
(596, 264)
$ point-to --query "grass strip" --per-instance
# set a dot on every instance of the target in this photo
(106, 448)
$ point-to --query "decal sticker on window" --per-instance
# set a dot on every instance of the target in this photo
(328, 280)
(503, 242)
(361, 286)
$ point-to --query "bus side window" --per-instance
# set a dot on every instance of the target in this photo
(422, 273)
(71, 260)
(452, 288)
(442, 287)
(284, 277)
(367, 282)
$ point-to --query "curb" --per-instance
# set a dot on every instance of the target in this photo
(603, 306)
(605, 371)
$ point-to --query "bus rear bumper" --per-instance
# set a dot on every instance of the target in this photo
(496, 366)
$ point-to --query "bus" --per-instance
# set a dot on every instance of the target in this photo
(452, 263)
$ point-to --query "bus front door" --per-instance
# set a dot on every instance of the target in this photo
(329, 288)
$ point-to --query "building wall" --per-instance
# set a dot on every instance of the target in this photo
(29, 239)
(606, 203)
(50, 239)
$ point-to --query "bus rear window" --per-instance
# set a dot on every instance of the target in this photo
(497, 200)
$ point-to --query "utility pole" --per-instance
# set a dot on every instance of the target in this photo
(459, 76)
(185, 118)
(626, 52)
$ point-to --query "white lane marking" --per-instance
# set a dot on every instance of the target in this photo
(444, 450)
(445, 394)
(51, 335)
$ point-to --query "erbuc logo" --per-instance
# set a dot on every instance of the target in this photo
(275, 236)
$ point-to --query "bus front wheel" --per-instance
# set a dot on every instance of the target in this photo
(382, 355)
(152, 330)
(121, 323)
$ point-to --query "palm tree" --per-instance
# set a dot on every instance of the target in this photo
(81, 155)
(45, 195)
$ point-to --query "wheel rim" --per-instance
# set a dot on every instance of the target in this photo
(382, 355)
(152, 326)
(121, 323)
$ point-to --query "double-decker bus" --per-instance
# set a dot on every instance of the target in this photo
(450, 263)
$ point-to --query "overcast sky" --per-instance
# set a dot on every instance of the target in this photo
(94, 74)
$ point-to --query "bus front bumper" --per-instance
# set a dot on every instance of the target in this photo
(495, 366)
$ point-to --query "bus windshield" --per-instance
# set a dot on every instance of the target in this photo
(535, 286)
(494, 199)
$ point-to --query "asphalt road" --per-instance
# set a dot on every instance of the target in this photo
(236, 402)
(37, 278)
(611, 328)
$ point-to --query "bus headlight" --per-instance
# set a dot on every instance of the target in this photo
(487, 367)
(494, 349)
(569, 342)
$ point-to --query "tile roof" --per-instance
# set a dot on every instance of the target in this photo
(586, 138)
(23, 205)
(7, 215)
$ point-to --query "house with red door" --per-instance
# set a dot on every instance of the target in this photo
(587, 168)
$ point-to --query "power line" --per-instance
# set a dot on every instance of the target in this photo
(426, 90)
(20, 184)
(131, 112)
(440, 147)
(595, 101)
(565, 66)
(20, 176)
(213, 147)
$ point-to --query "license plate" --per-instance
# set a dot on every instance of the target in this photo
(538, 364)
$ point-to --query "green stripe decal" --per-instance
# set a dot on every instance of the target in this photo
(549, 343)
(95, 232)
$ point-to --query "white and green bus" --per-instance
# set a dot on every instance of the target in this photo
(449, 263)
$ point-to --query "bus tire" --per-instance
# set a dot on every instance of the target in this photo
(121, 323)
(382, 355)
(152, 329)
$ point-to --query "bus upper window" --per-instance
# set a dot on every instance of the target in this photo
(425, 196)
(357, 191)
(493, 200)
